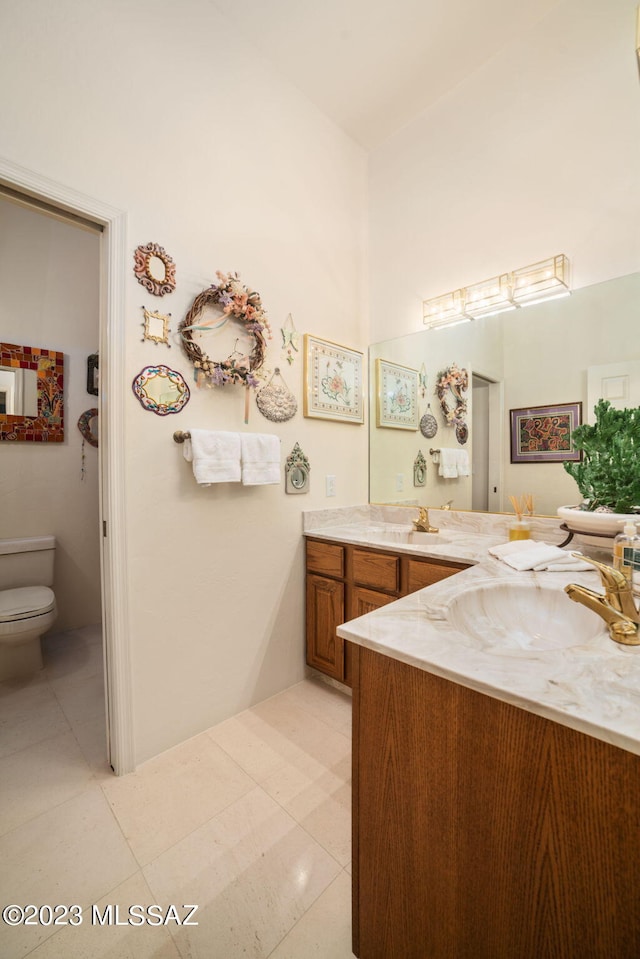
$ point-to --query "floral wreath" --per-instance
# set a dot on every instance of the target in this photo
(239, 303)
(455, 381)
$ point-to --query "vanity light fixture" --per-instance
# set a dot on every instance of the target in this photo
(542, 281)
(545, 280)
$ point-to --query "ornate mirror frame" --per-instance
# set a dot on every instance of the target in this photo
(48, 425)
(175, 382)
(157, 285)
(158, 322)
(88, 426)
(297, 471)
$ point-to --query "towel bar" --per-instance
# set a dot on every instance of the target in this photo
(180, 437)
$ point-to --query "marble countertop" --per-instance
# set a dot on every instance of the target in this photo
(459, 546)
(592, 685)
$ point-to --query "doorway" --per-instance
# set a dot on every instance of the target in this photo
(67, 202)
(486, 444)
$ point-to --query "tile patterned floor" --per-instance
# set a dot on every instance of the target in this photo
(250, 821)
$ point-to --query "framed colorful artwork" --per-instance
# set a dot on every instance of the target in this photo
(333, 378)
(397, 396)
(542, 434)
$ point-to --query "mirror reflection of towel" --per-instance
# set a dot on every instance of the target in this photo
(448, 464)
(462, 462)
(453, 463)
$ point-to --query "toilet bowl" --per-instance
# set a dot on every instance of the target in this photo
(27, 603)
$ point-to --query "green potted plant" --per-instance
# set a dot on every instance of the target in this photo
(608, 476)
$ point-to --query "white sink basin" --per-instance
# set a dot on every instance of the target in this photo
(405, 534)
(519, 616)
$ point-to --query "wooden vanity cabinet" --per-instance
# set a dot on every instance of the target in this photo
(484, 831)
(346, 581)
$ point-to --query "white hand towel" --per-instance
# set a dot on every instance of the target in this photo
(260, 459)
(215, 456)
(540, 558)
(531, 554)
(462, 462)
(448, 464)
(571, 566)
(515, 546)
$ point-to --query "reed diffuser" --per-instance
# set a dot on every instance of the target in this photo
(520, 527)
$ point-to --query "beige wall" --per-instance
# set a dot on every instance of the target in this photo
(171, 117)
(537, 153)
(548, 350)
(49, 277)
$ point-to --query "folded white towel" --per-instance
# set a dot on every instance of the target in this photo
(571, 566)
(448, 464)
(215, 456)
(462, 459)
(543, 557)
(260, 459)
(514, 546)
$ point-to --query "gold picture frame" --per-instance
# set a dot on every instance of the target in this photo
(334, 381)
(397, 396)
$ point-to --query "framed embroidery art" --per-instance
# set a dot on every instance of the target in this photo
(333, 378)
(542, 434)
(397, 405)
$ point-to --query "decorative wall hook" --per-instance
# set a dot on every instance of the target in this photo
(297, 471)
(419, 470)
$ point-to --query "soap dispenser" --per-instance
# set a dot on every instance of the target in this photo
(626, 553)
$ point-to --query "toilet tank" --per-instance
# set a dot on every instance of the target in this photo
(27, 561)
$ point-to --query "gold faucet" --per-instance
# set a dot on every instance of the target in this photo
(421, 524)
(447, 505)
(617, 606)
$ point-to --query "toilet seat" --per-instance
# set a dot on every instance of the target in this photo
(25, 603)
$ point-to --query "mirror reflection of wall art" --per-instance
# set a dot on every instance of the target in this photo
(156, 326)
(451, 384)
(31, 393)
(297, 471)
(397, 396)
(333, 377)
(161, 390)
(155, 269)
(420, 470)
(542, 434)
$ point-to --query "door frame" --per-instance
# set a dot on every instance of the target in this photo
(113, 560)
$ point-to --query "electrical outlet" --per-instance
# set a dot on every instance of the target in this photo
(399, 482)
(331, 486)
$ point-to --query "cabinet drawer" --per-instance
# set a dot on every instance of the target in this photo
(379, 570)
(325, 558)
(421, 574)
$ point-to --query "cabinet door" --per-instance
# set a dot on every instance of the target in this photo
(325, 612)
(363, 601)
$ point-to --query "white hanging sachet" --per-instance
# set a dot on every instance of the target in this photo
(276, 402)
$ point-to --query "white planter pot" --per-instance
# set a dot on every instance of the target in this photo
(595, 529)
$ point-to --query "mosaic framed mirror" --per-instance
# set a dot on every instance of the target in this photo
(31, 394)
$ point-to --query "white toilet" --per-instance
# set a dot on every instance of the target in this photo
(27, 602)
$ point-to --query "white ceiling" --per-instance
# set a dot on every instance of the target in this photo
(373, 65)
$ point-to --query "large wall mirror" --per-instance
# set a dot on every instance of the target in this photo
(569, 350)
(31, 394)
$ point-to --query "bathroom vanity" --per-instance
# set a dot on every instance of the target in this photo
(483, 831)
(496, 763)
(344, 581)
